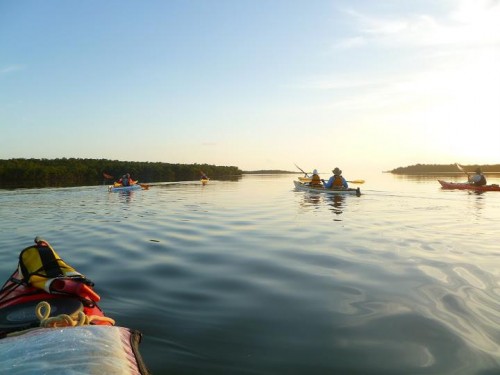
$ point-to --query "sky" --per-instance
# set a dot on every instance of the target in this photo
(257, 84)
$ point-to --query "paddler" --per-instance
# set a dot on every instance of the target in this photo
(478, 178)
(336, 181)
(125, 180)
(315, 179)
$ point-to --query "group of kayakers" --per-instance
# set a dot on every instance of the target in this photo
(126, 180)
(335, 181)
(338, 181)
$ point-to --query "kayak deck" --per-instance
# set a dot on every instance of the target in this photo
(304, 187)
(50, 322)
(466, 186)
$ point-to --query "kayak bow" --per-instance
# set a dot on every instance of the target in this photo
(50, 321)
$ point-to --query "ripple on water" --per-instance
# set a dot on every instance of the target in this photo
(251, 277)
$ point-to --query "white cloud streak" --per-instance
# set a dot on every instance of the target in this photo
(10, 69)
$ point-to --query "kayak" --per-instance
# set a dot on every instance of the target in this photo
(466, 186)
(320, 189)
(120, 187)
(50, 320)
(204, 181)
(308, 179)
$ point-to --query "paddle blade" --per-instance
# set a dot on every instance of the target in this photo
(357, 181)
(462, 169)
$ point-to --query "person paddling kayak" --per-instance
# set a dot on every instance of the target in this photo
(126, 180)
(336, 181)
(478, 178)
(315, 179)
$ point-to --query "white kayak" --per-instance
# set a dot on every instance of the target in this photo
(320, 189)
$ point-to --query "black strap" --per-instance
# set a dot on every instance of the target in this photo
(50, 262)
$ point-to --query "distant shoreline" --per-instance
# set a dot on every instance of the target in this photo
(434, 169)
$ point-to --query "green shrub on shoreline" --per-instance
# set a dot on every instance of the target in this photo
(16, 173)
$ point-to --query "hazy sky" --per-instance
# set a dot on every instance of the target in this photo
(257, 84)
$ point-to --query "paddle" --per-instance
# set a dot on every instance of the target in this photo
(305, 174)
(352, 182)
(144, 186)
(463, 170)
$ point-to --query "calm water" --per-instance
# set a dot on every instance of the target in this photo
(252, 277)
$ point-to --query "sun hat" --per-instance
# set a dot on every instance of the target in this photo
(337, 171)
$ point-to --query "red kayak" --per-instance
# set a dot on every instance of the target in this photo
(466, 186)
(50, 322)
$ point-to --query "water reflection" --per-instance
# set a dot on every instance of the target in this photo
(333, 202)
(311, 199)
(125, 196)
(336, 203)
(477, 203)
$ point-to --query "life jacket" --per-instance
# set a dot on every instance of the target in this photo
(125, 181)
(41, 267)
(337, 181)
(315, 180)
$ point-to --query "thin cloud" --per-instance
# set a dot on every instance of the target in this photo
(472, 22)
(10, 69)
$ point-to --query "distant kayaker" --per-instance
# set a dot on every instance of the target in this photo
(478, 178)
(315, 179)
(125, 180)
(203, 176)
(336, 181)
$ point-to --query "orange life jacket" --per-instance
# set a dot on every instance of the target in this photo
(337, 181)
(315, 180)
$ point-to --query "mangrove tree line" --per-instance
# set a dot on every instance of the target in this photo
(84, 172)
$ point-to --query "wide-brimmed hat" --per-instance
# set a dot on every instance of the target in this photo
(337, 171)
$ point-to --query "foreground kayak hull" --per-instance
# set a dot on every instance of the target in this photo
(465, 186)
(349, 191)
(50, 322)
(73, 350)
